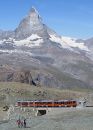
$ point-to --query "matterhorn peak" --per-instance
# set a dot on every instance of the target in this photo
(31, 24)
(33, 10)
(33, 14)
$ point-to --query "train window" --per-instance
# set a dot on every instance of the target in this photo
(19, 103)
(59, 103)
(55, 102)
(40, 102)
(49, 102)
(24, 103)
(30, 102)
(44, 102)
(70, 102)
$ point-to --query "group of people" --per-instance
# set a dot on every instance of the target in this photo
(21, 123)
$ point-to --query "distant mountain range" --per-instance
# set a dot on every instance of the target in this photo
(35, 54)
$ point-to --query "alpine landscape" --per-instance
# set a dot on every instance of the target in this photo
(36, 63)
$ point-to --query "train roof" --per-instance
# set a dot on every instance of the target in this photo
(44, 100)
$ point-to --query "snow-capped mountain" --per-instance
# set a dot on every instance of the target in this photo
(32, 24)
(32, 32)
(54, 61)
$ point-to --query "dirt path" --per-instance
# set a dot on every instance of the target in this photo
(57, 119)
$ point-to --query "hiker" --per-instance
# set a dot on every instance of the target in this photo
(24, 123)
(19, 123)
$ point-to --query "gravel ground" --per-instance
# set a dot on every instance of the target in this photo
(57, 119)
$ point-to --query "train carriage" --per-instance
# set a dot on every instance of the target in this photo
(47, 103)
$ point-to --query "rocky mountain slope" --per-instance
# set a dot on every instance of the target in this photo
(35, 54)
(11, 92)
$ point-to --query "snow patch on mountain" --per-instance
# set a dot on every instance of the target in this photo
(33, 41)
(9, 40)
(72, 43)
(33, 37)
(15, 51)
(58, 39)
(69, 43)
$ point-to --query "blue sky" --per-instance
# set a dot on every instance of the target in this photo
(67, 17)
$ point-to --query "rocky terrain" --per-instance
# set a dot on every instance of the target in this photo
(56, 119)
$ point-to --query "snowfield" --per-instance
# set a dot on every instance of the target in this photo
(72, 43)
(33, 41)
(68, 42)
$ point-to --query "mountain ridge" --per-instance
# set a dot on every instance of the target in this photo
(61, 62)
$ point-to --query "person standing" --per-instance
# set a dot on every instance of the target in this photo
(24, 123)
(19, 123)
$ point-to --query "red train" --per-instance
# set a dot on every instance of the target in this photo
(47, 103)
